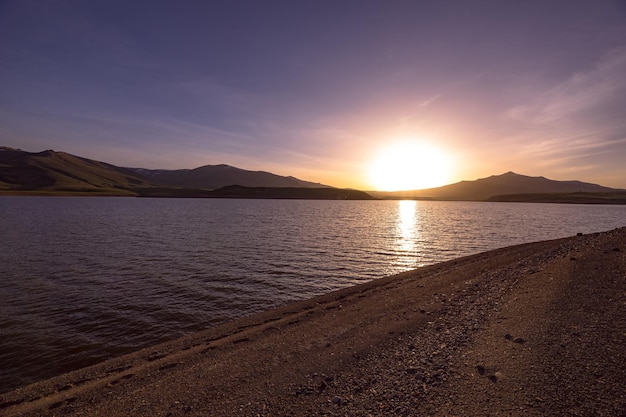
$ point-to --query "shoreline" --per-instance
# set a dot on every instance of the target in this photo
(511, 331)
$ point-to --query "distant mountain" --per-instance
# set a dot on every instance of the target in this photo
(499, 185)
(61, 172)
(218, 176)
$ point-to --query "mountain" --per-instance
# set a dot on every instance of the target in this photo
(51, 171)
(59, 172)
(499, 185)
(218, 176)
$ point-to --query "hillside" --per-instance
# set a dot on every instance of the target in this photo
(51, 171)
(236, 191)
(613, 197)
(499, 185)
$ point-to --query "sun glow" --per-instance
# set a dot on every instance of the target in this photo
(409, 165)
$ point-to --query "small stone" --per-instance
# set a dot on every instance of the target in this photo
(480, 369)
(508, 337)
(519, 340)
(337, 400)
(436, 379)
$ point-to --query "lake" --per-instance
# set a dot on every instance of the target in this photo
(88, 278)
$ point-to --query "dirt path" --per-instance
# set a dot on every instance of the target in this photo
(536, 329)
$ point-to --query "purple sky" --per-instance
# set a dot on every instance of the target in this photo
(316, 89)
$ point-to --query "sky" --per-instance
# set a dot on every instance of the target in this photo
(321, 89)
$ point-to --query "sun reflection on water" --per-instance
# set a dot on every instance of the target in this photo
(407, 222)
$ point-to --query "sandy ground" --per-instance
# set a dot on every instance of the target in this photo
(531, 330)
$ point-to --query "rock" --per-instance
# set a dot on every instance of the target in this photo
(519, 340)
(436, 379)
(337, 400)
(508, 337)
(480, 369)
(322, 386)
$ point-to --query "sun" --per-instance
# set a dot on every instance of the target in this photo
(409, 165)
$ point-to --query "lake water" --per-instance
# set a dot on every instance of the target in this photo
(85, 279)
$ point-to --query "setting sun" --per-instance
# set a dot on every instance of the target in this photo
(409, 165)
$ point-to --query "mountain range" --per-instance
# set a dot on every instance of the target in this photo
(51, 172)
(60, 172)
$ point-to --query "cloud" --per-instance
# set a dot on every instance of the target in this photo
(575, 125)
(420, 108)
(583, 92)
(583, 146)
(583, 115)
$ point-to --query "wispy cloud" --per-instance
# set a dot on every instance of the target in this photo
(420, 108)
(582, 146)
(582, 116)
(582, 92)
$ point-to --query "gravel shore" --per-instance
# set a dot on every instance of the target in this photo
(531, 330)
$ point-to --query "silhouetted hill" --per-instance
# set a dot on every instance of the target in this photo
(217, 176)
(499, 185)
(612, 197)
(51, 171)
(237, 191)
